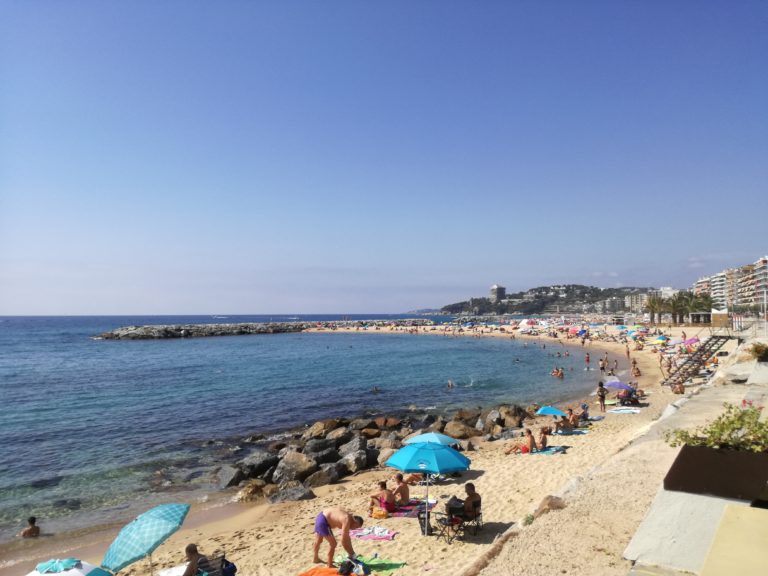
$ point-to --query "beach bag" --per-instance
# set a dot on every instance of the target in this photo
(380, 514)
(346, 568)
(228, 568)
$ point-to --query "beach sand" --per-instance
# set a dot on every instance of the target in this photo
(592, 531)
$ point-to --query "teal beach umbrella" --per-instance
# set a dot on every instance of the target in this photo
(428, 458)
(140, 538)
(432, 438)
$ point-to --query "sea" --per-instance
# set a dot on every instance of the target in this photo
(94, 431)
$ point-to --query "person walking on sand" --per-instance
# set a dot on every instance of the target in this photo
(335, 518)
(586, 361)
(601, 394)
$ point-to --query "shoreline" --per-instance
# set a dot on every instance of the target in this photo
(208, 517)
(260, 439)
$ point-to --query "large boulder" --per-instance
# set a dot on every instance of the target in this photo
(372, 457)
(467, 415)
(370, 432)
(355, 461)
(337, 468)
(294, 466)
(339, 436)
(327, 475)
(357, 443)
(292, 494)
(257, 463)
(460, 430)
(318, 445)
(360, 423)
(384, 455)
(253, 490)
(320, 428)
(324, 456)
(229, 476)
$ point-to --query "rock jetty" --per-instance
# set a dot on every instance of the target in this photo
(157, 332)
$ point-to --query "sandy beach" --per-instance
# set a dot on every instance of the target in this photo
(588, 536)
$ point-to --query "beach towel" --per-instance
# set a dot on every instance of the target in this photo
(381, 566)
(373, 533)
(596, 418)
(572, 432)
(550, 450)
(320, 571)
(411, 510)
(624, 411)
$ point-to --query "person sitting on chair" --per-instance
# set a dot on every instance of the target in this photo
(471, 502)
(196, 561)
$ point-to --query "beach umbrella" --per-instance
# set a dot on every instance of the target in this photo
(693, 340)
(428, 458)
(549, 411)
(67, 567)
(619, 385)
(432, 438)
(140, 538)
(662, 337)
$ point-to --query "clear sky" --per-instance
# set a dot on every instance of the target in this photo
(361, 156)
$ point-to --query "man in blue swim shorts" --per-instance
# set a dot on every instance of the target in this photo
(324, 524)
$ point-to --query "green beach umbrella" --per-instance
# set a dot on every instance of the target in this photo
(140, 538)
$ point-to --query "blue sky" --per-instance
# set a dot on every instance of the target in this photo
(298, 157)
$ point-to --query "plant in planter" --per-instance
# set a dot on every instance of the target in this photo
(735, 429)
(727, 457)
(760, 351)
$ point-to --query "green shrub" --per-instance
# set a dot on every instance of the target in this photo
(738, 428)
(528, 520)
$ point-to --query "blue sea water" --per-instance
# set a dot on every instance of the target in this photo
(91, 429)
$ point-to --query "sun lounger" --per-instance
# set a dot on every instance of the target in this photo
(624, 411)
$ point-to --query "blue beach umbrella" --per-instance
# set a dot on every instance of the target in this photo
(619, 385)
(140, 538)
(549, 411)
(428, 458)
(432, 438)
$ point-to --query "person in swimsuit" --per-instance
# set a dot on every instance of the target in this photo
(31, 531)
(401, 492)
(383, 498)
(601, 394)
(324, 524)
(527, 446)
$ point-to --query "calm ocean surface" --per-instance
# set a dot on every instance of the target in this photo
(91, 429)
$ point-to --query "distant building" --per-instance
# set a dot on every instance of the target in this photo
(498, 293)
(702, 286)
(636, 303)
(717, 290)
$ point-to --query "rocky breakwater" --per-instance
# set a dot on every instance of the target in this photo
(161, 331)
(332, 449)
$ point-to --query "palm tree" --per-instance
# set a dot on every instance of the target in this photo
(679, 306)
(655, 305)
